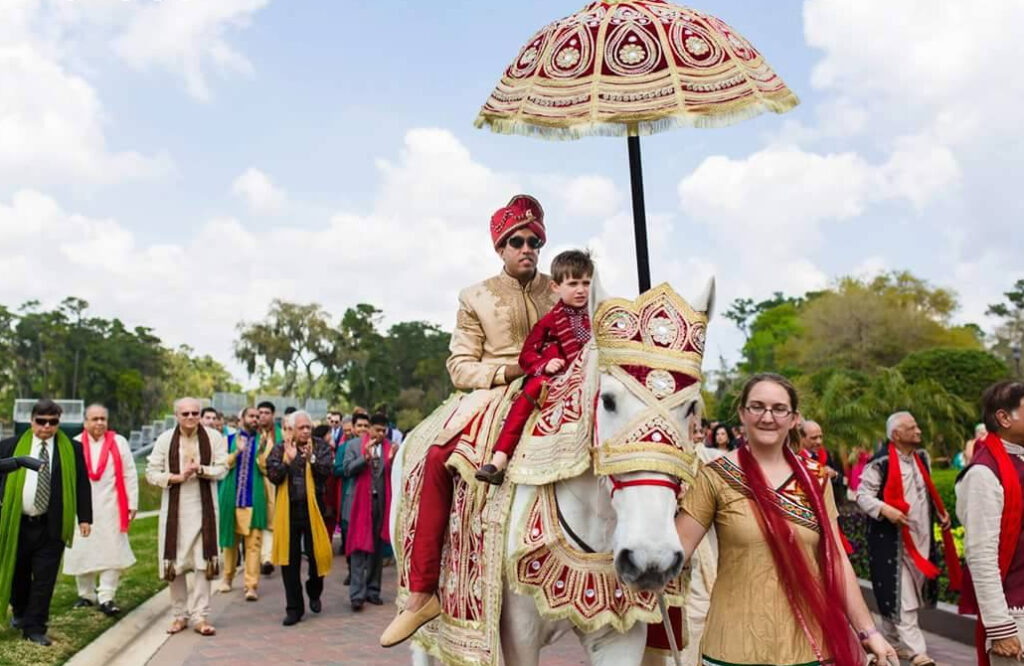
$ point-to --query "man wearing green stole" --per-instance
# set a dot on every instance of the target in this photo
(37, 518)
(243, 506)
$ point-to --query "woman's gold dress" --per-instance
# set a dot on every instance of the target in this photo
(750, 620)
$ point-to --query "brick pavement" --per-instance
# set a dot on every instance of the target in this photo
(251, 633)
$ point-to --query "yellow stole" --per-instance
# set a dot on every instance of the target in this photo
(321, 541)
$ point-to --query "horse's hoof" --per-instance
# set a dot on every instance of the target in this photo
(408, 623)
(490, 474)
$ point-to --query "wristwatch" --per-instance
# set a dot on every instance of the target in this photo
(864, 635)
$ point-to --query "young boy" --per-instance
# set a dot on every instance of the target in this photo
(554, 343)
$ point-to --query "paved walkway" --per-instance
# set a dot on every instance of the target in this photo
(251, 633)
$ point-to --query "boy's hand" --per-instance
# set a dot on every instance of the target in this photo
(554, 365)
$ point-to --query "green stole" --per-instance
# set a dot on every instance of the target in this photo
(229, 491)
(10, 518)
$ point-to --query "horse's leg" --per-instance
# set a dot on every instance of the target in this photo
(421, 658)
(610, 648)
(523, 631)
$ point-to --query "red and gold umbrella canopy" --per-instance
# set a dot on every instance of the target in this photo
(633, 68)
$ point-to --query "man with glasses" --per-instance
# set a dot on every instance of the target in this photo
(187, 462)
(37, 521)
(894, 492)
(494, 319)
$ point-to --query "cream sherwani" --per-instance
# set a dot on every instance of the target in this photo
(106, 551)
(190, 515)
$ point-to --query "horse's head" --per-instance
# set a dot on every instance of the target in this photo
(648, 407)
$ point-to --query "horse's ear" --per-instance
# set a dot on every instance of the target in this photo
(706, 301)
(597, 295)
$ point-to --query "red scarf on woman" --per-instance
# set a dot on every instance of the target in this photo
(894, 497)
(108, 451)
(814, 599)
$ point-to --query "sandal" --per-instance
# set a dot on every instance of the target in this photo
(177, 626)
(204, 628)
(922, 660)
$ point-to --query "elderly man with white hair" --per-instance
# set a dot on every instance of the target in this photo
(106, 552)
(897, 493)
(187, 462)
(299, 466)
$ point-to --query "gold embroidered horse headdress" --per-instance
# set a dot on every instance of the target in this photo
(654, 345)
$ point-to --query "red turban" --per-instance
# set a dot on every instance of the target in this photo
(522, 212)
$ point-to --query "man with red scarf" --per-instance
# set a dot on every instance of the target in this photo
(896, 491)
(989, 505)
(368, 461)
(106, 552)
(494, 319)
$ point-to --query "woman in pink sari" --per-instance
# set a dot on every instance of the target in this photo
(786, 594)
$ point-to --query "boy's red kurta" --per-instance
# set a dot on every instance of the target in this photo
(561, 333)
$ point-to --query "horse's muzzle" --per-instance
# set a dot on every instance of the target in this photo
(646, 573)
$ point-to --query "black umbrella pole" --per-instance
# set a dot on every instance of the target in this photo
(636, 177)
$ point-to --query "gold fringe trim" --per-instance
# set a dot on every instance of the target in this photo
(571, 129)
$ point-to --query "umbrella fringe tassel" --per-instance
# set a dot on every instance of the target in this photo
(640, 127)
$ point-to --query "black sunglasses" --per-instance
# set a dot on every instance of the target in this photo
(40, 421)
(517, 242)
(190, 413)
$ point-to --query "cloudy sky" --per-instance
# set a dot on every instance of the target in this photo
(180, 163)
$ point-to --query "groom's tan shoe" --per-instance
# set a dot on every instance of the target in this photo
(408, 622)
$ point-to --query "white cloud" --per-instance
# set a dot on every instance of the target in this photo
(52, 125)
(187, 38)
(591, 196)
(426, 238)
(259, 192)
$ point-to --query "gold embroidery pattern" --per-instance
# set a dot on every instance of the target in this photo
(632, 67)
(567, 583)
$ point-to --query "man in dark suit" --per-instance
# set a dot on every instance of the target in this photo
(37, 521)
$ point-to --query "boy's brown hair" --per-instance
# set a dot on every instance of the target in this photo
(572, 264)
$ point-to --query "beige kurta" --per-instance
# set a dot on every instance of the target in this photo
(106, 547)
(190, 508)
(494, 319)
(750, 620)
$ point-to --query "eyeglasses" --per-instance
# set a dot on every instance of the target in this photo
(40, 421)
(778, 411)
(517, 242)
(187, 414)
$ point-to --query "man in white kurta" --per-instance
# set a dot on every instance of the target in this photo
(189, 555)
(106, 552)
(903, 431)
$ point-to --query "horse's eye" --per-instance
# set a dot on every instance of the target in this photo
(608, 401)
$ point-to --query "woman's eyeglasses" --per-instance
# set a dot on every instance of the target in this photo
(517, 242)
(756, 409)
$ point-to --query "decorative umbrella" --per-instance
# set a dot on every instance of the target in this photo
(632, 68)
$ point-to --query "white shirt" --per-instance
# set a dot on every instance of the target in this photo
(979, 506)
(28, 495)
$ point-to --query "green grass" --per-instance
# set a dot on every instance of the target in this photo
(149, 496)
(73, 629)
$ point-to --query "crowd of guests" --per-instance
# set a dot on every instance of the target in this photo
(253, 493)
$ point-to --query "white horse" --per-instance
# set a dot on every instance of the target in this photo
(635, 522)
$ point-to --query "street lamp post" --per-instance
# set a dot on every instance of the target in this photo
(1016, 357)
